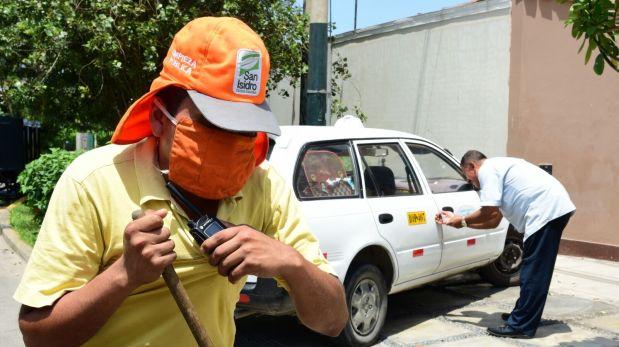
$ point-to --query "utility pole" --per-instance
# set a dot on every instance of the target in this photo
(316, 83)
(355, 27)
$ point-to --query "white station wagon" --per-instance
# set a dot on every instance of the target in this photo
(370, 197)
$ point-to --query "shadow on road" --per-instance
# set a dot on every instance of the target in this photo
(405, 310)
(413, 307)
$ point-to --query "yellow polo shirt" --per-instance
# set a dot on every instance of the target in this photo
(82, 234)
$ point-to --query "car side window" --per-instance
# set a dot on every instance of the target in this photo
(326, 171)
(441, 175)
(386, 171)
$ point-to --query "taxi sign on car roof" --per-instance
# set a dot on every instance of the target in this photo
(349, 121)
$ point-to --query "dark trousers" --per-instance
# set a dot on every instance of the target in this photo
(540, 254)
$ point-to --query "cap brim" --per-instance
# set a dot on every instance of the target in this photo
(135, 123)
(236, 116)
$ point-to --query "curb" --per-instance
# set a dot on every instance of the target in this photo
(11, 237)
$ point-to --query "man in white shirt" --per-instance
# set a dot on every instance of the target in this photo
(536, 204)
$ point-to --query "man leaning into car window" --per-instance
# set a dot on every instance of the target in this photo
(536, 204)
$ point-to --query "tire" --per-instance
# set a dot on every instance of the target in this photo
(366, 298)
(505, 270)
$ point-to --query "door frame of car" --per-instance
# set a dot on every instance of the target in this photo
(432, 250)
(486, 240)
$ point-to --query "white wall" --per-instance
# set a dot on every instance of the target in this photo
(286, 109)
(442, 75)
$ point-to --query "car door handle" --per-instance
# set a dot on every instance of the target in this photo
(385, 218)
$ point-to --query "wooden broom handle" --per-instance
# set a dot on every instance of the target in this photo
(182, 300)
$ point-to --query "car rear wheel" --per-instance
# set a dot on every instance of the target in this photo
(505, 270)
(366, 297)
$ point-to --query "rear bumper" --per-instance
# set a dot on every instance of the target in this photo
(264, 297)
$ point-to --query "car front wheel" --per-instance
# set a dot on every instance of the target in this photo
(366, 297)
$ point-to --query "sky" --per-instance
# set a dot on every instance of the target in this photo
(372, 12)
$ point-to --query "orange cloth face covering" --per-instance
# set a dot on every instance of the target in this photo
(209, 162)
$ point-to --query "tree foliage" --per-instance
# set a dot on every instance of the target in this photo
(81, 63)
(598, 22)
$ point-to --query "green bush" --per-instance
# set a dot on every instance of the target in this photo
(38, 180)
(23, 220)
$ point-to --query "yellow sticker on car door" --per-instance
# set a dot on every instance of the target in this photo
(416, 218)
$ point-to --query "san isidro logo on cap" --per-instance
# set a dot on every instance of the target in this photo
(248, 72)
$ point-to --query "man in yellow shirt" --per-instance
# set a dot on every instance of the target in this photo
(94, 276)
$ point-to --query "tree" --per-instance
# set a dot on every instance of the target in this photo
(598, 21)
(81, 63)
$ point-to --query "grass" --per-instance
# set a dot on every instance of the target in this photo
(23, 221)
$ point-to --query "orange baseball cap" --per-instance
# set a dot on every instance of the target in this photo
(224, 66)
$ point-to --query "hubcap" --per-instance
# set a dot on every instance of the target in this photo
(511, 258)
(365, 307)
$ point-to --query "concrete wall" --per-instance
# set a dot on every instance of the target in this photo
(286, 109)
(441, 75)
(561, 112)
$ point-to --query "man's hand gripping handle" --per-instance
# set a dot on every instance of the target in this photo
(182, 299)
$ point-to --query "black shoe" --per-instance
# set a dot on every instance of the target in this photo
(506, 331)
(505, 316)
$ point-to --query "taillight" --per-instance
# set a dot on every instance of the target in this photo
(244, 298)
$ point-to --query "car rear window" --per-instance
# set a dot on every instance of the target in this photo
(326, 171)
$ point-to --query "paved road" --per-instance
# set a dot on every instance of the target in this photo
(11, 268)
(582, 310)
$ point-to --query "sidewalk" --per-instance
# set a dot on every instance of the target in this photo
(11, 237)
(11, 269)
(586, 278)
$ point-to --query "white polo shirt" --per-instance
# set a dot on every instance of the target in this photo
(526, 195)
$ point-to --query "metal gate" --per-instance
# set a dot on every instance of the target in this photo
(19, 145)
